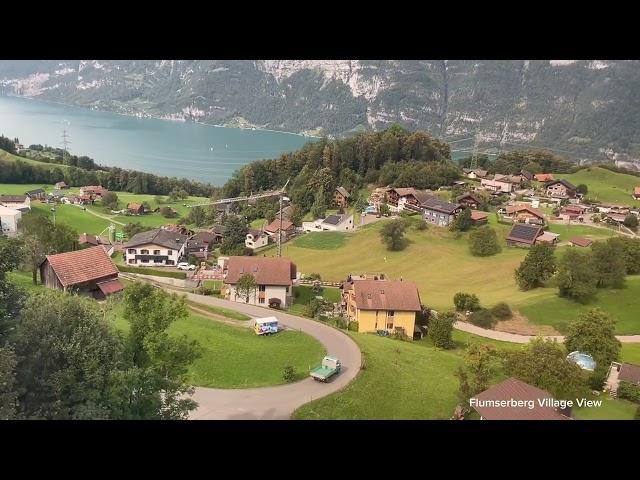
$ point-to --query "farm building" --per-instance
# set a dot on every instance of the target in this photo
(525, 214)
(479, 218)
(580, 242)
(256, 239)
(523, 235)
(469, 200)
(135, 209)
(17, 202)
(9, 218)
(341, 197)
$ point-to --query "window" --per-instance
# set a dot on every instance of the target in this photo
(389, 325)
(261, 300)
(144, 252)
(170, 262)
(261, 288)
(144, 260)
(169, 252)
(132, 250)
(132, 260)
(156, 252)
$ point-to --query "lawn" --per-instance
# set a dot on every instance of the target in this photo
(546, 308)
(235, 357)
(8, 157)
(224, 312)
(303, 294)
(321, 240)
(24, 280)
(631, 353)
(81, 220)
(611, 409)
(20, 189)
(605, 185)
(567, 231)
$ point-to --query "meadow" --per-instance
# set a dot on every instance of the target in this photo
(606, 186)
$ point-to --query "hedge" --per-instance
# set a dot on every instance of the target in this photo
(629, 391)
(149, 271)
(353, 326)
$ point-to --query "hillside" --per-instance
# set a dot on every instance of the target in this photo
(587, 109)
(606, 186)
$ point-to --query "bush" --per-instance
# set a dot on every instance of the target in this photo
(314, 276)
(483, 242)
(598, 377)
(289, 374)
(339, 322)
(422, 225)
(150, 271)
(501, 311)
(440, 330)
(629, 391)
(354, 326)
(466, 301)
(482, 318)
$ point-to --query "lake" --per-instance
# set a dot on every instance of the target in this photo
(162, 147)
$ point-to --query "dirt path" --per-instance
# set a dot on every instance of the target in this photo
(220, 318)
(110, 219)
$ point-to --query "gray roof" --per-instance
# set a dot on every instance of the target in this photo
(159, 237)
(521, 232)
(343, 192)
(334, 219)
(434, 203)
(35, 192)
(566, 183)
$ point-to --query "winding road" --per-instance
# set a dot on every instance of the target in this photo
(276, 403)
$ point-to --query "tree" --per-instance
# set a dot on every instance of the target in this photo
(131, 229)
(159, 199)
(631, 221)
(168, 212)
(392, 234)
(608, 264)
(462, 222)
(8, 393)
(296, 215)
(543, 363)
(235, 233)
(360, 205)
(319, 207)
(384, 209)
(478, 369)
(177, 194)
(582, 189)
(631, 249)
(289, 373)
(110, 200)
(466, 302)
(197, 216)
(246, 287)
(501, 311)
(440, 330)
(11, 296)
(576, 278)
(537, 267)
(594, 333)
(483, 242)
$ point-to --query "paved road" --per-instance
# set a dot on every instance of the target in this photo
(516, 338)
(279, 402)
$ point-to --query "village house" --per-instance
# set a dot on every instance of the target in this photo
(389, 305)
(572, 212)
(479, 218)
(622, 373)
(88, 272)
(156, 248)
(274, 278)
(474, 173)
(88, 240)
(526, 176)
(560, 189)
(9, 218)
(341, 197)
(256, 239)
(16, 202)
(636, 193)
(438, 212)
(218, 233)
(135, 209)
(497, 184)
(333, 223)
(514, 399)
(543, 177)
(525, 214)
(61, 186)
(70, 199)
(37, 194)
(580, 242)
(93, 190)
(524, 235)
(396, 197)
(199, 245)
(615, 218)
(469, 200)
(288, 229)
(414, 200)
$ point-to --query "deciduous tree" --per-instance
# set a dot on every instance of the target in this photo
(392, 234)
(576, 278)
(537, 267)
(483, 242)
(594, 333)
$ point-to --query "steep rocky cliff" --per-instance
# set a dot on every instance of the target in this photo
(587, 109)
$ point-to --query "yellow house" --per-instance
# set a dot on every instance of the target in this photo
(382, 305)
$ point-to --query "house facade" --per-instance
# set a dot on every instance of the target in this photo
(560, 189)
(389, 305)
(88, 272)
(438, 212)
(274, 278)
(396, 197)
(333, 223)
(256, 239)
(17, 202)
(525, 214)
(93, 190)
(9, 218)
(37, 194)
(496, 185)
(469, 200)
(156, 248)
(341, 197)
(135, 209)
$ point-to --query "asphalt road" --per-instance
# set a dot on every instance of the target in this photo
(277, 403)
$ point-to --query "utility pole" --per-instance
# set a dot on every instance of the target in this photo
(65, 141)
(474, 156)
(280, 215)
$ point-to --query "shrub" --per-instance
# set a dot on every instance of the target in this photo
(629, 391)
(340, 323)
(482, 318)
(289, 373)
(354, 326)
(466, 301)
(421, 225)
(440, 330)
(150, 271)
(483, 242)
(598, 377)
(501, 311)
(314, 276)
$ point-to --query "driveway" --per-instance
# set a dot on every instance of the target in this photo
(276, 403)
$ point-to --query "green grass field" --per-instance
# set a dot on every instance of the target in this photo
(224, 312)
(81, 220)
(631, 353)
(235, 357)
(303, 294)
(8, 157)
(567, 231)
(321, 240)
(611, 409)
(20, 189)
(605, 185)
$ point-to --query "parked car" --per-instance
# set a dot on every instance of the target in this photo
(185, 266)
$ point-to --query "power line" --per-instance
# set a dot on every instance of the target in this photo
(65, 141)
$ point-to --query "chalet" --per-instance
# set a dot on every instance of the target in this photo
(636, 193)
(474, 173)
(88, 272)
(543, 177)
(199, 245)
(135, 209)
(218, 233)
(273, 276)
(497, 184)
(580, 242)
(17, 202)
(56, 195)
(469, 200)
(155, 248)
(389, 305)
(525, 214)
(333, 223)
(479, 218)
(526, 176)
(37, 194)
(572, 212)
(341, 197)
(439, 212)
(9, 218)
(615, 218)
(94, 190)
(256, 239)
(548, 237)
(287, 228)
(523, 235)
(514, 399)
(61, 186)
(560, 189)
(84, 199)
(396, 197)
(70, 199)
(413, 201)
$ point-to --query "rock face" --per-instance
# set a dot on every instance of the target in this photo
(586, 109)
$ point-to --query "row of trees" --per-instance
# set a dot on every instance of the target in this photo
(533, 161)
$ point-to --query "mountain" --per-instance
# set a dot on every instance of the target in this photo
(584, 109)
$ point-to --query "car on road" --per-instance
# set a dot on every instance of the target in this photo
(329, 367)
(185, 266)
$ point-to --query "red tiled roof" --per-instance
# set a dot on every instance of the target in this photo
(630, 373)
(386, 295)
(636, 191)
(477, 215)
(522, 208)
(92, 239)
(134, 206)
(110, 286)
(512, 388)
(273, 226)
(581, 241)
(265, 270)
(82, 266)
(543, 177)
